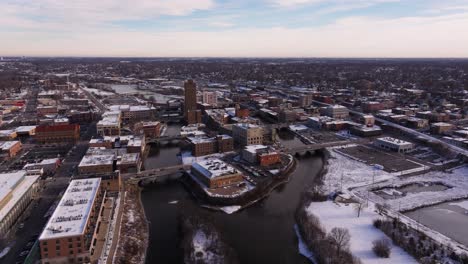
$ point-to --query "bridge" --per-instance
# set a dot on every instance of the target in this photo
(317, 146)
(163, 139)
(155, 173)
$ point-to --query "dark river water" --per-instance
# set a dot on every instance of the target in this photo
(262, 233)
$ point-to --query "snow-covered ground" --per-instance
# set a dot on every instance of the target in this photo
(456, 179)
(362, 231)
(344, 173)
(463, 204)
(98, 92)
(231, 209)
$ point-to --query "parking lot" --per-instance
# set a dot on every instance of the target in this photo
(392, 162)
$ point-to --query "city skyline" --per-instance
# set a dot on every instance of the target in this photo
(215, 28)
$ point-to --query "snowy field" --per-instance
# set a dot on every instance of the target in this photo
(362, 231)
(344, 173)
(98, 92)
(456, 179)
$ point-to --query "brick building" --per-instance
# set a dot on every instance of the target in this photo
(215, 173)
(57, 133)
(70, 233)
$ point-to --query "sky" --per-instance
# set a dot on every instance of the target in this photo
(234, 28)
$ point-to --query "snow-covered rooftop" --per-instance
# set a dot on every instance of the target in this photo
(394, 141)
(93, 160)
(212, 168)
(12, 188)
(6, 145)
(73, 210)
(25, 129)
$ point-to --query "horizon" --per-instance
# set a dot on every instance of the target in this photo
(236, 29)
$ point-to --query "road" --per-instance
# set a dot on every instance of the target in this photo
(97, 102)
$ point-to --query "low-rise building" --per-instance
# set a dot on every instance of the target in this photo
(149, 129)
(48, 166)
(441, 128)
(129, 163)
(57, 133)
(9, 149)
(9, 134)
(26, 131)
(336, 111)
(110, 124)
(202, 146)
(394, 144)
(96, 164)
(69, 235)
(16, 192)
(260, 154)
(215, 173)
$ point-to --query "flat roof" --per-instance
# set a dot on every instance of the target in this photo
(212, 168)
(16, 184)
(93, 160)
(394, 141)
(6, 145)
(72, 212)
(25, 129)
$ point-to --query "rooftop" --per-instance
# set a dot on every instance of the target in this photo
(73, 210)
(13, 186)
(212, 168)
(394, 141)
(93, 160)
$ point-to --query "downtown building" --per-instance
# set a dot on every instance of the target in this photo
(57, 133)
(191, 114)
(247, 134)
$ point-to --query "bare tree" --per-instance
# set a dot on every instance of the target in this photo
(339, 237)
(358, 207)
(382, 208)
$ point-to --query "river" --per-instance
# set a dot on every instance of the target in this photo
(262, 233)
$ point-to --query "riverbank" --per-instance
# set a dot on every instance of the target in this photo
(134, 229)
(231, 204)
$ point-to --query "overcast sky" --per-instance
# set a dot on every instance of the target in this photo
(235, 28)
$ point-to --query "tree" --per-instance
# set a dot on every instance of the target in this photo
(339, 237)
(382, 208)
(381, 248)
(358, 208)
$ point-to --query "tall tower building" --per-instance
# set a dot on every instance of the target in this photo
(191, 114)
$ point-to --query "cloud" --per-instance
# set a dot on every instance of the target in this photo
(438, 36)
(358, 3)
(97, 11)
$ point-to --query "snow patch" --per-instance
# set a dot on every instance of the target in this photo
(362, 231)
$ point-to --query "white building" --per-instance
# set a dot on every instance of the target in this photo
(110, 124)
(336, 111)
(394, 144)
(249, 153)
(16, 192)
